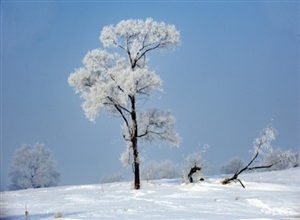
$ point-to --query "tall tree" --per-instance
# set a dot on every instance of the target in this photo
(33, 167)
(118, 83)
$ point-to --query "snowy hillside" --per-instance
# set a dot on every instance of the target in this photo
(268, 195)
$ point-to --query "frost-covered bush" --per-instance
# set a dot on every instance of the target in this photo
(232, 166)
(33, 167)
(281, 159)
(164, 170)
(297, 156)
(111, 179)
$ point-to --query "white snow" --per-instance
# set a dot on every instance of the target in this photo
(268, 195)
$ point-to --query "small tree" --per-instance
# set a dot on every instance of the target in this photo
(117, 84)
(261, 145)
(33, 168)
(194, 163)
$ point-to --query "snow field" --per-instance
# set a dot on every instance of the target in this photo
(268, 195)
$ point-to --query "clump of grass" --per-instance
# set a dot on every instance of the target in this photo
(59, 215)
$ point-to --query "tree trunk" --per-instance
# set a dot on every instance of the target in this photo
(136, 162)
(136, 165)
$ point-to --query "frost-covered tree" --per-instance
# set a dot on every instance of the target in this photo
(231, 166)
(261, 146)
(194, 163)
(33, 167)
(120, 84)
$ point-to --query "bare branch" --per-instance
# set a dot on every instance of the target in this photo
(117, 105)
(241, 183)
(260, 167)
(119, 109)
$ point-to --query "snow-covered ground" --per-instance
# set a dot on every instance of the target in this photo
(268, 195)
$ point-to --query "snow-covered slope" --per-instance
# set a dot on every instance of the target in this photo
(268, 195)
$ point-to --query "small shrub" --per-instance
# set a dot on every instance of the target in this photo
(59, 215)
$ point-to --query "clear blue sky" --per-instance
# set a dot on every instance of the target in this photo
(236, 69)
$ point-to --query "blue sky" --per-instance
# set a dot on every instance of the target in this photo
(236, 69)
